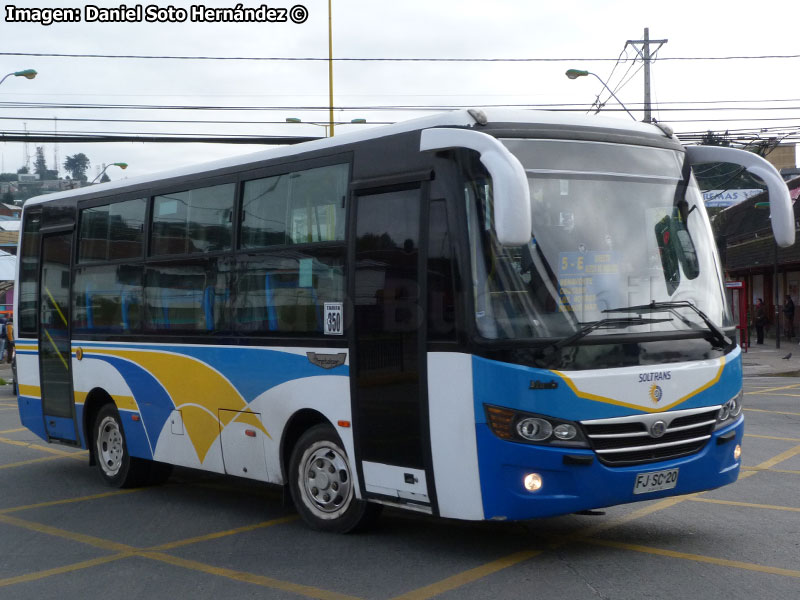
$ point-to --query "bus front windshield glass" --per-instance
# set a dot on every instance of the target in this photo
(613, 227)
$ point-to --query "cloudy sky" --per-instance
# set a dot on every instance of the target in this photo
(274, 90)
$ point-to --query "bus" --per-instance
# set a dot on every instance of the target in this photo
(479, 315)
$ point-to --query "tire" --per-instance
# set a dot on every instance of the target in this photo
(323, 486)
(116, 466)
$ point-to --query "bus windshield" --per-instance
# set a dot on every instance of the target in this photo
(613, 226)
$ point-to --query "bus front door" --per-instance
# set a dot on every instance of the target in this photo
(54, 343)
(387, 361)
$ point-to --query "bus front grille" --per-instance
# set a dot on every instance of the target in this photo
(647, 438)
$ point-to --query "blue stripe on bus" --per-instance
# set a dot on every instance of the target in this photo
(250, 373)
(30, 414)
(154, 403)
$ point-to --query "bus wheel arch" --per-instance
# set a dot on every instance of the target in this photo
(296, 426)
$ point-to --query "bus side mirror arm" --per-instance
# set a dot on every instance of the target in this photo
(780, 203)
(511, 195)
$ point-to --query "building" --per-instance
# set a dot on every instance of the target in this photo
(749, 254)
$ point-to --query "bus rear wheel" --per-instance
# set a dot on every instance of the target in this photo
(117, 467)
(323, 486)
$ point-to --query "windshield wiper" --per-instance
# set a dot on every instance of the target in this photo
(717, 334)
(610, 323)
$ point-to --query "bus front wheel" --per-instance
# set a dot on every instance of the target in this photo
(323, 486)
(116, 466)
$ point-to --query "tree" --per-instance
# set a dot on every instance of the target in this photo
(77, 165)
(22, 171)
(40, 164)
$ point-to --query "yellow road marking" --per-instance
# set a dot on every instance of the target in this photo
(70, 500)
(17, 430)
(68, 535)
(779, 458)
(80, 455)
(9, 408)
(221, 534)
(771, 437)
(774, 412)
(465, 577)
(777, 389)
(61, 570)
(269, 582)
(697, 558)
(747, 504)
(772, 470)
(23, 463)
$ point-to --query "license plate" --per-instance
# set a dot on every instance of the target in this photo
(656, 481)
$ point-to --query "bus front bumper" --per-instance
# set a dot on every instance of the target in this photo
(574, 479)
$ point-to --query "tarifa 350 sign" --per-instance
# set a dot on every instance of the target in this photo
(154, 13)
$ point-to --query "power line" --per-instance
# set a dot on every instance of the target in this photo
(384, 107)
(386, 59)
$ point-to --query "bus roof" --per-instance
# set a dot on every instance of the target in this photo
(456, 118)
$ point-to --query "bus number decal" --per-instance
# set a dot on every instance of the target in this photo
(333, 318)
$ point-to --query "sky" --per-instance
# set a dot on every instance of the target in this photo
(276, 90)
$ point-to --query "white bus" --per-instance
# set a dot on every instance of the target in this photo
(477, 315)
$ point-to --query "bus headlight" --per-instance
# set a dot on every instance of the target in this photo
(519, 426)
(731, 410)
(534, 430)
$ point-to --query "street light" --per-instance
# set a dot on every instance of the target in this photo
(121, 165)
(325, 125)
(575, 73)
(27, 74)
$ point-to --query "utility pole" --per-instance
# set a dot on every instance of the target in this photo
(646, 56)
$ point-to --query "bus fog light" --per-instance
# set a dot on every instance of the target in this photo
(535, 430)
(565, 431)
(533, 482)
(737, 452)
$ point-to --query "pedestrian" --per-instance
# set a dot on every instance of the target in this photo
(788, 315)
(761, 320)
(3, 337)
(10, 339)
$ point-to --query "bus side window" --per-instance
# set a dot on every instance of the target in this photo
(285, 291)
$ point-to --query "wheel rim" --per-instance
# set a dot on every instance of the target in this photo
(325, 481)
(110, 446)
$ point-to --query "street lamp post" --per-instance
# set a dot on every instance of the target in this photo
(27, 74)
(121, 165)
(575, 73)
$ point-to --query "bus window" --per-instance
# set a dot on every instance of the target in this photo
(193, 221)
(29, 273)
(177, 296)
(295, 208)
(286, 292)
(107, 299)
(112, 231)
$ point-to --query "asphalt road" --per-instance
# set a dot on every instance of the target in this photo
(64, 535)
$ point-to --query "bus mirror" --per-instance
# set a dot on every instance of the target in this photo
(780, 203)
(511, 195)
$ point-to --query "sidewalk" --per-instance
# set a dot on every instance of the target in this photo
(765, 359)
